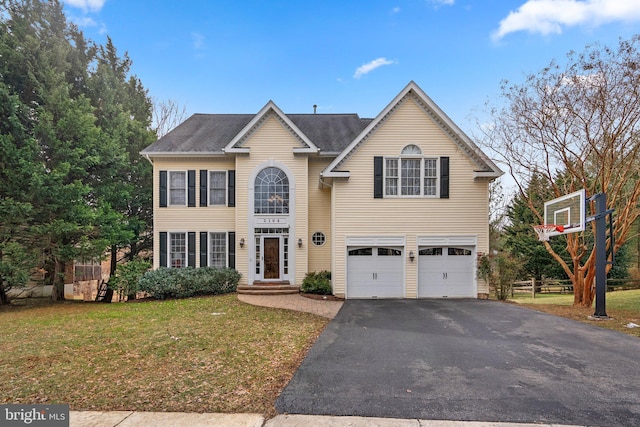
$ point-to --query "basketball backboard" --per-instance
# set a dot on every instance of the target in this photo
(568, 211)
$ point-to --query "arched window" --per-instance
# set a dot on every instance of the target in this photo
(271, 193)
(411, 149)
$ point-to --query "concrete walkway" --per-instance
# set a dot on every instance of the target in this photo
(296, 302)
(173, 419)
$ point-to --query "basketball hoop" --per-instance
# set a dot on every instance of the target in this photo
(544, 231)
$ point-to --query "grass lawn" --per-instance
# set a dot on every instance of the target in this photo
(212, 354)
(622, 306)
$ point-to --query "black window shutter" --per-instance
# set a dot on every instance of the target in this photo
(163, 189)
(163, 249)
(203, 249)
(231, 188)
(191, 188)
(377, 178)
(231, 248)
(444, 177)
(191, 249)
(204, 175)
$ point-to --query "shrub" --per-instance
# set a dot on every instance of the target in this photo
(127, 276)
(499, 271)
(317, 283)
(187, 282)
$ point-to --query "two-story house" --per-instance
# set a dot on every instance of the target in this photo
(394, 207)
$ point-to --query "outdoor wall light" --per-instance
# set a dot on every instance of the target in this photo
(242, 242)
(299, 243)
(412, 256)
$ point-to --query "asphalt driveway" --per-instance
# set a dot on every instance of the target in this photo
(467, 360)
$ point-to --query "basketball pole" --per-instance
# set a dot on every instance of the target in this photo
(600, 218)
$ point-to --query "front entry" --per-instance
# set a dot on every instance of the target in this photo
(271, 257)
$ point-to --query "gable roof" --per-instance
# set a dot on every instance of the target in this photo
(217, 134)
(485, 167)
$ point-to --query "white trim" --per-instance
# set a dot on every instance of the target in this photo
(235, 145)
(253, 223)
(186, 247)
(182, 154)
(226, 247)
(375, 241)
(186, 187)
(469, 240)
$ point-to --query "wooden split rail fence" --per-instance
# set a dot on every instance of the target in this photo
(534, 287)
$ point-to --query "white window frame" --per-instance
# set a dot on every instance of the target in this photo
(171, 252)
(171, 190)
(210, 187)
(210, 252)
(414, 153)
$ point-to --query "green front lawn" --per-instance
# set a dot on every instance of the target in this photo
(622, 306)
(210, 354)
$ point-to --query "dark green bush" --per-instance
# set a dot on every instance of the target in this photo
(317, 283)
(187, 282)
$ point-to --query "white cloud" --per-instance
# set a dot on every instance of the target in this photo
(550, 16)
(367, 68)
(198, 40)
(443, 2)
(86, 5)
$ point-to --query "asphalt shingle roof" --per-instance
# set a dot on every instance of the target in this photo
(210, 133)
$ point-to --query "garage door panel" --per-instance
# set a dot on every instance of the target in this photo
(375, 272)
(445, 272)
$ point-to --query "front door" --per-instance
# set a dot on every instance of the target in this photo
(271, 258)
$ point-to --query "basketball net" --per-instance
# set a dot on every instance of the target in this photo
(544, 231)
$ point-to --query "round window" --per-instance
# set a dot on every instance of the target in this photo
(318, 238)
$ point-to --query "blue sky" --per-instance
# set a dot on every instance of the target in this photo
(345, 56)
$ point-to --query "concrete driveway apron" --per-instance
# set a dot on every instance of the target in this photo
(467, 360)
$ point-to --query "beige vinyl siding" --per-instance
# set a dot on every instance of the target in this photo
(319, 216)
(183, 218)
(272, 144)
(357, 213)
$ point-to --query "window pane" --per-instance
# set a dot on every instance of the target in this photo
(458, 251)
(410, 177)
(389, 252)
(217, 188)
(178, 250)
(271, 193)
(177, 188)
(430, 177)
(318, 238)
(361, 252)
(431, 251)
(391, 177)
(218, 250)
(411, 149)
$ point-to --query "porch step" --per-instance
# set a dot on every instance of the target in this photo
(268, 288)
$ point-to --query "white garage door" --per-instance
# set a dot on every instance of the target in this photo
(375, 272)
(445, 272)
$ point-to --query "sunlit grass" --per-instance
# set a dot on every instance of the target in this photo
(623, 307)
(213, 354)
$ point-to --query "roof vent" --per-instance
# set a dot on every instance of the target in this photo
(315, 107)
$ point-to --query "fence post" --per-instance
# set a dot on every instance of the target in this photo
(533, 287)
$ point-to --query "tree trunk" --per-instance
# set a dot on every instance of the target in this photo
(4, 298)
(57, 292)
(114, 261)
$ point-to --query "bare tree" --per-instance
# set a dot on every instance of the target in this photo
(166, 116)
(578, 127)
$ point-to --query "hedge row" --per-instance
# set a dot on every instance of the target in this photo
(187, 282)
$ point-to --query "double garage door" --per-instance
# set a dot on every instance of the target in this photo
(379, 272)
